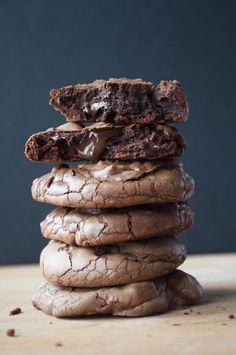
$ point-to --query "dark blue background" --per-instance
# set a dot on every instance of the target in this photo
(46, 44)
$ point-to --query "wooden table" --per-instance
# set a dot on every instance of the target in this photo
(206, 329)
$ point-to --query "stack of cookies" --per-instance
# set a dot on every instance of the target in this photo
(113, 247)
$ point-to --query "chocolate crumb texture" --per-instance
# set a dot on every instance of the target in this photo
(15, 311)
(231, 316)
(105, 141)
(122, 101)
(10, 332)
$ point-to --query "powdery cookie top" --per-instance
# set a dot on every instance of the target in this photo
(105, 141)
(108, 184)
(121, 101)
(101, 227)
(110, 265)
(169, 292)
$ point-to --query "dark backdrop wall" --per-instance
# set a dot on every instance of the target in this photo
(46, 44)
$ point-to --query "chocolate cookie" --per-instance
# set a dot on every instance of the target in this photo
(169, 292)
(105, 141)
(100, 227)
(110, 265)
(108, 184)
(121, 101)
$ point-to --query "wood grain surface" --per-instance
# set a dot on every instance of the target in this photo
(204, 329)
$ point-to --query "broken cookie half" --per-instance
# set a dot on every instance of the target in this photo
(70, 142)
(121, 100)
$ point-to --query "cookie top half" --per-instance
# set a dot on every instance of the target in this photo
(121, 100)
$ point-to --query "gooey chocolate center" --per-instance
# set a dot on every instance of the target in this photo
(94, 143)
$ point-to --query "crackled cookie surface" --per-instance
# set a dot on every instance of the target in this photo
(101, 227)
(110, 265)
(122, 101)
(169, 292)
(108, 184)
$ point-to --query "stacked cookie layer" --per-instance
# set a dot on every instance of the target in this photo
(113, 247)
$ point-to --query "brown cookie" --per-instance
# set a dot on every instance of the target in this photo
(121, 101)
(108, 184)
(169, 292)
(110, 265)
(100, 227)
(105, 141)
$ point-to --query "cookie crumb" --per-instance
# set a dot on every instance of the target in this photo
(231, 316)
(186, 313)
(10, 332)
(223, 324)
(15, 311)
(176, 324)
(58, 344)
(199, 313)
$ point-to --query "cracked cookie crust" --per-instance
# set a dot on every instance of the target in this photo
(100, 227)
(108, 184)
(175, 290)
(111, 265)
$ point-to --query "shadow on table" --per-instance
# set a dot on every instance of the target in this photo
(219, 295)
